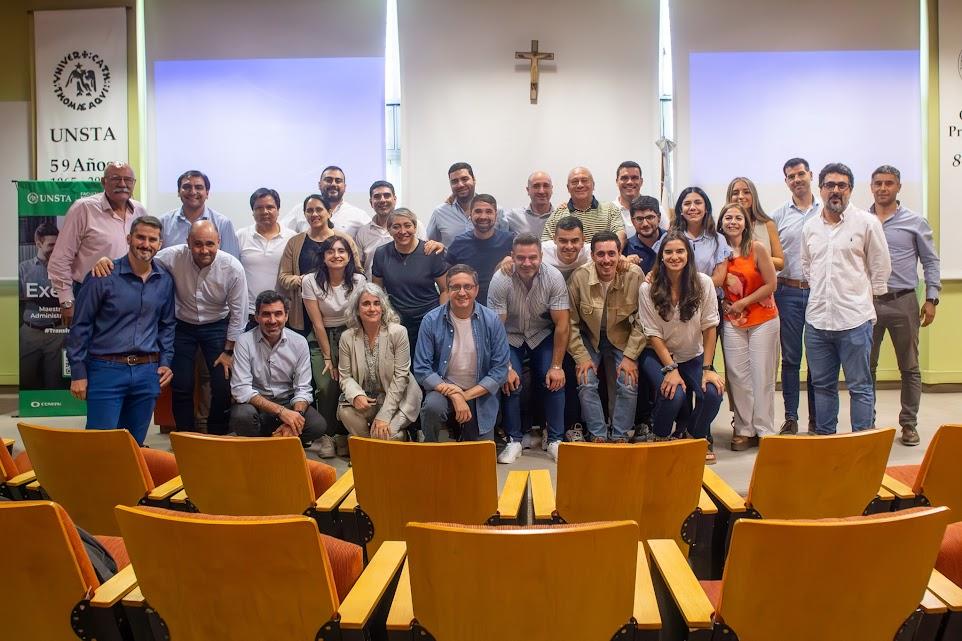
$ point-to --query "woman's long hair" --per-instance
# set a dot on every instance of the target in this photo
(323, 276)
(757, 213)
(745, 242)
(689, 297)
(388, 315)
(708, 223)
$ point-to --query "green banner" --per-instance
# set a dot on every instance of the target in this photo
(52, 197)
(50, 403)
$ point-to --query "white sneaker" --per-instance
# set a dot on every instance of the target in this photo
(510, 453)
(553, 450)
(340, 446)
(326, 447)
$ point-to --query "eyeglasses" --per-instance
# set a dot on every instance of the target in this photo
(834, 186)
(650, 218)
(458, 288)
(130, 180)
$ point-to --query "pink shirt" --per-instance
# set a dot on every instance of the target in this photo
(90, 231)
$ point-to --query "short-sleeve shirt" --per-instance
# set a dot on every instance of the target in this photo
(528, 311)
(409, 278)
(683, 339)
(710, 248)
(597, 218)
(483, 254)
(332, 303)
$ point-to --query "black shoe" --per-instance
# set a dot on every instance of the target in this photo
(790, 426)
(910, 436)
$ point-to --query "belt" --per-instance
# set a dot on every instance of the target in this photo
(791, 282)
(129, 359)
(885, 298)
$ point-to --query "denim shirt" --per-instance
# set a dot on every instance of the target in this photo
(433, 353)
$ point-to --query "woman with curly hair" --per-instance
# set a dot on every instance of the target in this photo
(679, 313)
(742, 191)
(751, 329)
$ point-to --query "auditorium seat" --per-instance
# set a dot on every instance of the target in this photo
(50, 590)
(598, 482)
(809, 579)
(396, 482)
(15, 472)
(88, 472)
(248, 476)
(536, 583)
(938, 479)
(805, 477)
(246, 578)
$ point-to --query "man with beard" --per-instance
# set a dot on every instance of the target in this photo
(40, 338)
(452, 218)
(484, 247)
(121, 343)
(628, 179)
(645, 223)
(531, 218)
(374, 234)
(94, 226)
(846, 259)
(344, 216)
(910, 242)
(595, 217)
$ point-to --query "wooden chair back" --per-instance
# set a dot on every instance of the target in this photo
(831, 580)
(245, 580)
(458, 580)
(88, 472)
(46, 571)
(400, 482)
(940, 476)
(804, 477)
(243, 476)
(657, 485)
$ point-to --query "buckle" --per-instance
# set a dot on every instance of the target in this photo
(132, 359)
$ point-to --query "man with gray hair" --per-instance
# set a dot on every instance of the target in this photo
(910, 242)
(595, 217)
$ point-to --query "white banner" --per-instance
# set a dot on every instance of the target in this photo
(950, 137)
(81, 91)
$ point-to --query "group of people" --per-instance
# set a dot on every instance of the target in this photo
(595, 320)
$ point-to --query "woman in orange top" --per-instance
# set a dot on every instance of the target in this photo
(751, 333)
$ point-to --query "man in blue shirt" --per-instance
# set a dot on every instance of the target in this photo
(193, 188)
(645, 215)
(461, 361)
(122, 339)
(484, 247)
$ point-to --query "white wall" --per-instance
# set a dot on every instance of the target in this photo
(465, 98)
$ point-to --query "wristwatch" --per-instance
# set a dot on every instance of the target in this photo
(707, 368)
(229, 352)
(934, 301)
(669, 368)
(67, 304)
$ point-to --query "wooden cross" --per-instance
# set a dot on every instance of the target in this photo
(534, 57)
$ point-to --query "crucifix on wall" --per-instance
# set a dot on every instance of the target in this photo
(534, 57)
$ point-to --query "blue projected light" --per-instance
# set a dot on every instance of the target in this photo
(750, 111)
(269, 122)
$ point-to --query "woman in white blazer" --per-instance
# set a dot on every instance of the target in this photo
(379, 394)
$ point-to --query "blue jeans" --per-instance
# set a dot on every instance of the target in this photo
(592, 411)
(435, 412)
(668, 410)
(121, 396)
(210, 339)
(554, 402)
(850, 349)
(791, 303)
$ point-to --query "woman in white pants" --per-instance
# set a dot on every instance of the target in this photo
(379, 394)
(751, 333)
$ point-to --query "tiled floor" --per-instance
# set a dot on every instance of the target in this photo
(734, 467)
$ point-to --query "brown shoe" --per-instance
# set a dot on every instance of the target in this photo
(910, 436)
(740, 443)
(710, 458)
(790, 426)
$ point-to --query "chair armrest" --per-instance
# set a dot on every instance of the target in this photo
(332, 497)
(349, 503)
(722, 492)
(898, 488)
(402, 610)
(645, 608)
(180, 498)
(692, 603)
(34, 486)
(8, 443)
(512, 496)
(22, 479)
(358, 606)
(542, 495)
(114, 589)
(705, 504)
(885, 494)
(931, 604)
(165, 490)
(948, 592)
(134, 599)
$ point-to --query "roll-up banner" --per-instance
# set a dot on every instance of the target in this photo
(44, 371)
(950, 137)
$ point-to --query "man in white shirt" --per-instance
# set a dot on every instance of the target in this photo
(344, 216)
(628, 179)
(845, 259)
(262, 246)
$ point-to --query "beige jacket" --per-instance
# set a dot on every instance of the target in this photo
(588, 303)
(289, 276)
(401, 392)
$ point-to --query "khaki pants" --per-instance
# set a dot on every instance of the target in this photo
(359, 423)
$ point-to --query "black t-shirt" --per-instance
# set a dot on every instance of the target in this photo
(409, 278)
(309, 253)
(484, 255)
